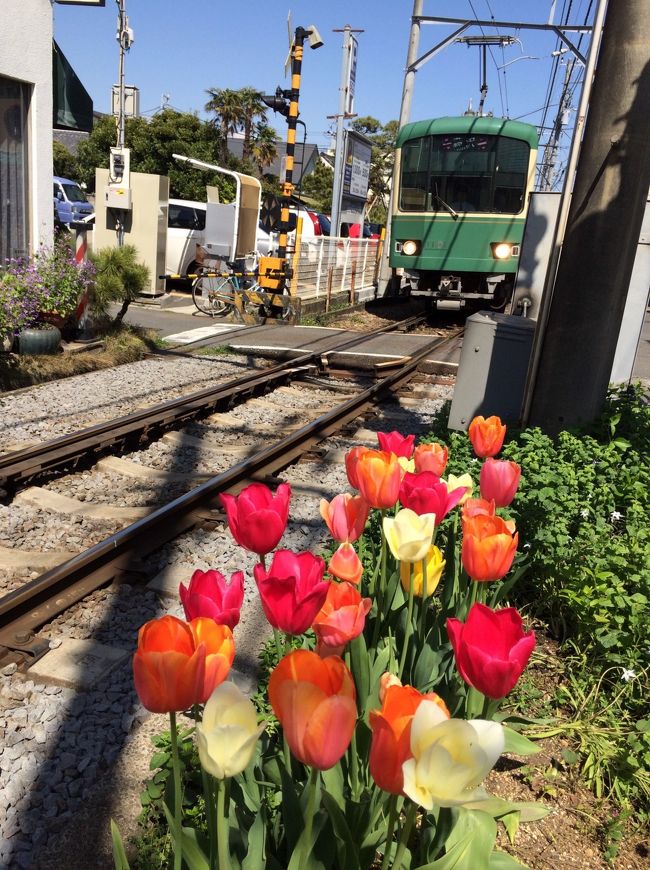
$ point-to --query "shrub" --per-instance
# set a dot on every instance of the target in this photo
(119, 278)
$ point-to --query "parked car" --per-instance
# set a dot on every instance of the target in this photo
(70, 201)
(325, 224)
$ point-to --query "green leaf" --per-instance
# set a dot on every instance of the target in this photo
(517, 744)
(470, 844)
(347, 849)
(192, 853)
(503, 861)
(120, 861)
(310, 860)
(360, 671)
(291, 813)
(427, 668)
(159, 759)
(255, 857)
(334, 782)
(511, 823)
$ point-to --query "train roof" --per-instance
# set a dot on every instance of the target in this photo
(469, 124)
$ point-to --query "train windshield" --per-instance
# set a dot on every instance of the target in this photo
(464, 171)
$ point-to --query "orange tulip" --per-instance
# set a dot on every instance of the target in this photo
(315, 701)
(379, 476)
(219, 652)
(340, 619)
(391, 734)
(346, 565)
(352, 458)
(488, 547)
(168, 668)
(431, 457)
(486, 435)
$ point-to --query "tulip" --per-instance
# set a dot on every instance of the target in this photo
(391, 733)
(393, 442)
(209, 595)
(431, 457)
(499, 480)
(346, 565)
(491, 649)
(257, 518)
(385, 682)
(409, 535)
(352, 458)
(486, 435)
(413, 574)
(227, 735)
(478, 507)
(379, 476)
(425, 494)
(219, 645)
(315, 701)
(488, 547)
(340, 619)
(346, 516)
(405, 465)
(168, 668)
(292, 591)
(450, 758)
(465, 480)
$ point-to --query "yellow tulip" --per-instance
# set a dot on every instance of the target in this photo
(413, 573)
(406, 464)
(450, 758)
(454, 482)
(409, 535)
(227, 735)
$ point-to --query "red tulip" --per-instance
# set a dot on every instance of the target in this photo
(379, 475)
(423, 493)
(491, 649)
(352, 458)
(431, 457)
(340, 619)
(209, 595)
(292, 591)
(315, 701)
(393, 442)
(499, 480)
(391, 734)
(178, 664)
(486, 435)
(488, 547)
(346, 516)
(257, 518)
(346, 565)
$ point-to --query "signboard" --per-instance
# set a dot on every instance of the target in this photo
(464, 142)
(81, 2)
(357, 166)
(352, 75)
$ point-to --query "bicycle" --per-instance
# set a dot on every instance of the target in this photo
(214, 293)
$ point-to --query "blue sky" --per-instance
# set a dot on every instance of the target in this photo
(183, 47)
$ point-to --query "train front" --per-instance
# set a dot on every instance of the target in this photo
(459, 208)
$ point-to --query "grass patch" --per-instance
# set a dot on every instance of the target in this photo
(123, 344)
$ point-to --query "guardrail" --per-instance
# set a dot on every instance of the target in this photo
(327, 266)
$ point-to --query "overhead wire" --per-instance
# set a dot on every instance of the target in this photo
(491, 55)
(506, 113)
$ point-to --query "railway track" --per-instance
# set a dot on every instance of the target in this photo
(36, 602)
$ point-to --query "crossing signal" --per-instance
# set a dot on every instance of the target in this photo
(279, 101)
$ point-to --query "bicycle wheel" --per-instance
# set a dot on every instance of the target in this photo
(213, 296)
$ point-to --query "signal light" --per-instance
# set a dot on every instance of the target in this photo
(278, 101)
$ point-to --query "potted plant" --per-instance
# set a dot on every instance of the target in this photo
(17, 309)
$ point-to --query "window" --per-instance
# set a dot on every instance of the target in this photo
(184, 217)
(13, 169)
(465, 172)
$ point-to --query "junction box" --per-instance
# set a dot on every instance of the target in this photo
(493, 367)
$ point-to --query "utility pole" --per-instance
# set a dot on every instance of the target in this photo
(547, 170)
(572, 360)
(124, 38)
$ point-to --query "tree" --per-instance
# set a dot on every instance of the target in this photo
(264, 148)
(64, 163)
(383, 137)
(253, 108)
(230, 114)
(318, 187)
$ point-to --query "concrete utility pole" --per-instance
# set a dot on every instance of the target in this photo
(576, 351)
(547, 172)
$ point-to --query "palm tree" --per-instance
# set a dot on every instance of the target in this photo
(253, 108)
(230, 114)
(264, 148)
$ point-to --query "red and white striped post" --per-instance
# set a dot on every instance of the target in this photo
(81, 252)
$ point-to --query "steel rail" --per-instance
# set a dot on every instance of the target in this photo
(41, 599)
(45, 456)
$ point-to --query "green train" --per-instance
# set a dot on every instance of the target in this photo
(459, 208)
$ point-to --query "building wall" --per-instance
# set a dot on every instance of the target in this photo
(26, 55)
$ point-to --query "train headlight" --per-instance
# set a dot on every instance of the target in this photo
(501, 250)
(410, 248)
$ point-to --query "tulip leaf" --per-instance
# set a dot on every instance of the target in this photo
(360, 670)
(469, 845)
(312, 855)
(334, 783)
(529, 811)
(517, 744)
(255, 858)
(346, 847)
(511, 823)
(192, 853)
(503, 861)
(292, 814)
(427, 668)
(120, 861)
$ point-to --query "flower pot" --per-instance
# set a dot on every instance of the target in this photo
(39, 341)
(6, 341)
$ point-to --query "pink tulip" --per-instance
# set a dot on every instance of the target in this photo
(209, 595)
(346, 516)
(499, 481)
(346, 565)
(423, 493)
(257, 518)
(393, 442)
(292, 591)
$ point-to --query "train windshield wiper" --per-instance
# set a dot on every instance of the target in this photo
(446, 206)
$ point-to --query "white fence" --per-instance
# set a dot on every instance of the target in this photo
(327, 267)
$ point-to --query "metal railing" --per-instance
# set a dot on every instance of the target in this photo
(326, 267)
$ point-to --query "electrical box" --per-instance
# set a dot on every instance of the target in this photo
(118, 192)
(118, 197)
(493, 368)
(221, 230)
(131, 101)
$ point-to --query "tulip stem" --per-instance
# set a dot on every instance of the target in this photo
(177, 791)
(222, 826)
(392, 818)
(279, 646)
(381, 587)
(406, 833)
(423, 603)
(409, 623)
(352, 752)
(309, 816)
